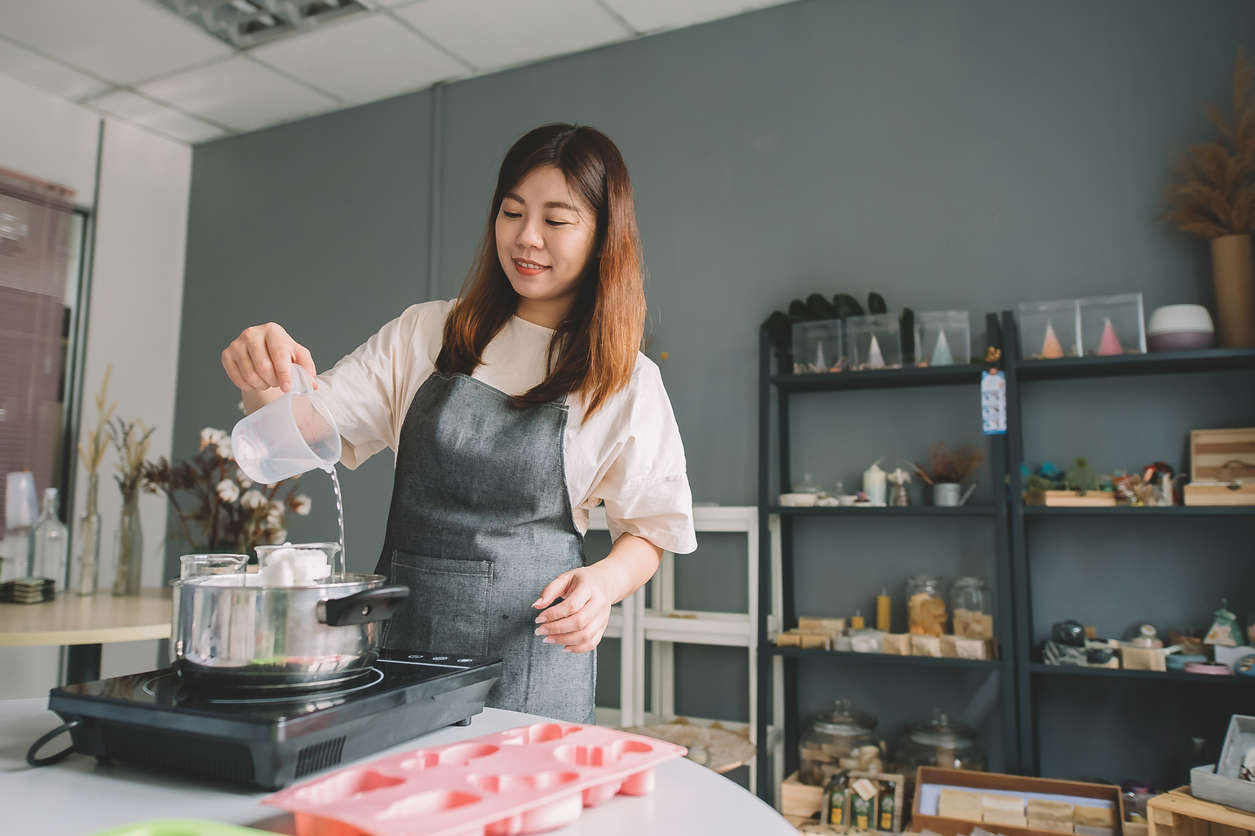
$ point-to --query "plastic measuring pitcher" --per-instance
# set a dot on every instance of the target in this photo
(291, 435)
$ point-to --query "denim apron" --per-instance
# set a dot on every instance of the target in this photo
(480, 523)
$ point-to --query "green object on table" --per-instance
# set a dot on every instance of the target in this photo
(180, 827)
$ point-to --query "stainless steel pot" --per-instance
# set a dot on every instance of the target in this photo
(231, 631)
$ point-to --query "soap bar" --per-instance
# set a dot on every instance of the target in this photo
(1096, 831)
(959, 804)
(1095, 816)
(1040, 808)
(896, 644)
(1008, 803)
(1051, 825)
(925, 645)
(1006, 818)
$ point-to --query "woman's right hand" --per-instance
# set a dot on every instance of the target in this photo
(261, 358)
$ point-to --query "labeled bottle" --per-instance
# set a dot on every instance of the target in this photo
(51, 542)
(862, 811)
(837, 801)
(888, 798)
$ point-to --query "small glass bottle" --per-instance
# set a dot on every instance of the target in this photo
(51, 542)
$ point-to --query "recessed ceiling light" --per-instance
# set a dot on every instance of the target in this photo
(247, 23)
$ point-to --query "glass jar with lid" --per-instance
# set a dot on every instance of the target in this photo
(925, 606)
(940, 742)
(834, 735)
(971, 608)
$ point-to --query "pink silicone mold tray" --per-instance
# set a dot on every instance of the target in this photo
(524, 780)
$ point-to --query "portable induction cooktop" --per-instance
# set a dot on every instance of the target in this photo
(269, 740)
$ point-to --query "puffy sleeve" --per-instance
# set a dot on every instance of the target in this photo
(362, 390)
(645, 488)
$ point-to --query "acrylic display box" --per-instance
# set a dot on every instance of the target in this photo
(943, 338)
(1113, 325)
(1050, 330)
(874, 341)
(818, 346)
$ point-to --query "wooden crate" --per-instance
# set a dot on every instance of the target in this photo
(798, 800)
(1179, 813)
(1222, 467)
(976, 781)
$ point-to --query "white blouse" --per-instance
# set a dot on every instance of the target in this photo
(628, 454)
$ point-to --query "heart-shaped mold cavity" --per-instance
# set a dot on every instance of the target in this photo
(557, 813)
(346, 786)
(427, 803)
(540, 782)
(601, 755)
(540, 733)
(464, 754)
(420, 760)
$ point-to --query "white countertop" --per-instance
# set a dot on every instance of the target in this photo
(77, 796)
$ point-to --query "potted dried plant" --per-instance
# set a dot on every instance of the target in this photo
(91, 454)
(130, 440)
(949, 470)
(1214, 198)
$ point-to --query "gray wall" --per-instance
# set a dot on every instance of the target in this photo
(947, 154)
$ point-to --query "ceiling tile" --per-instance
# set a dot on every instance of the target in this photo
(48, 75)
(498, 33)
(124, 41)
(361, 59)
(239, 93)
(138, 110)
(656, 15)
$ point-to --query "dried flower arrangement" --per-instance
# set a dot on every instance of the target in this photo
(1216, 193)
(92, 453)
(130, 440)
(945, 466)
(226, 511)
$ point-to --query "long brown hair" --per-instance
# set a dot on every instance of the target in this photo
(593, 350)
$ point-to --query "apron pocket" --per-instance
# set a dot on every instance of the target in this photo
(447, 606)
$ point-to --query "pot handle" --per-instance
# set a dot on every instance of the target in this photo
(362, 607)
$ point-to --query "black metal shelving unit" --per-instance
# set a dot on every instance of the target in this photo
(776, 391)
(1031, 675)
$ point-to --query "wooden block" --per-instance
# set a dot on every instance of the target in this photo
(926, 646)
(1143, 659)
(809, 624)
(1094, 816)
(1008, 803)
(1107, 831)
(1051, 825)
(1005, 818)
(1133, 828)
(1072, 499)
(959, 804)
(788, 638)
(896, 644)
(1040, 808)
(817, 641)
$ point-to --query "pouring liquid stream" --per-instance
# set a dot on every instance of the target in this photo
(341, 568)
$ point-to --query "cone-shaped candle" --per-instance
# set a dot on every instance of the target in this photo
(1050, 348)
(1110, 343)
(875, 360)
(941, 353)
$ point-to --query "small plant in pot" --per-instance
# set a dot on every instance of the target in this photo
(948, 470)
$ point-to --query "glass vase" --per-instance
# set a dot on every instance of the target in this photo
(130, 548)
(89, 543)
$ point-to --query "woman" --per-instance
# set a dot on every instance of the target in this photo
(513, 410)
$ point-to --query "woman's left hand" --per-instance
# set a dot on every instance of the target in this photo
(579, 620)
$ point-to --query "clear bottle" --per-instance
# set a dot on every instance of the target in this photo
(51, 542)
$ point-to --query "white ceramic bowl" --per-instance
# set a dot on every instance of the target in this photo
(798, 500)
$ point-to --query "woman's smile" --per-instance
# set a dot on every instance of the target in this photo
(528, 267)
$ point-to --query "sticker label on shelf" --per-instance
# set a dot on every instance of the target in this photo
(993, 403)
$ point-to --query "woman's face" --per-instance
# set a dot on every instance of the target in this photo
(545, 236)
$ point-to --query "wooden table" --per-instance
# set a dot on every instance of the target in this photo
(84, 624)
